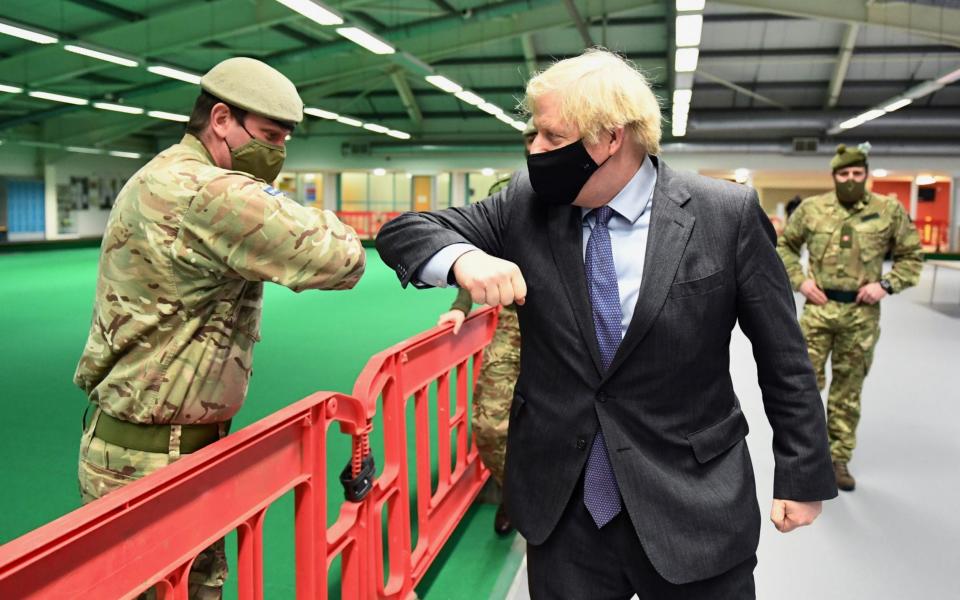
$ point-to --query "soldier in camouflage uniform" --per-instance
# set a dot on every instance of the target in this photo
(847, 233)
(191, 239)
(501, 366)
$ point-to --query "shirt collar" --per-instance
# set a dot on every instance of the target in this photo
(635, 197)
(191, 141)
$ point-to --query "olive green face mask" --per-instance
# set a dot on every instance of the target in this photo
(258, 158)
(849, 191)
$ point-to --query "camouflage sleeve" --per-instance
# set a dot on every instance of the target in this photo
(789, 245)
(261, 235)
(907, 252)
(463, 303)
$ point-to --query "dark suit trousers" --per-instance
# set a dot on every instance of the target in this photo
(580, 562)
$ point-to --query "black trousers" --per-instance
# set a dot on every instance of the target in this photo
(580, 562)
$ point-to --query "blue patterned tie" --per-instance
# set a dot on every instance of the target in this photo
(600, 492)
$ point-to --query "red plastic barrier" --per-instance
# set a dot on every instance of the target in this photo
(933, 233)
(149, 532)
(367, 223)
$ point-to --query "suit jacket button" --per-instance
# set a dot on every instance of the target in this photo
(581, 443)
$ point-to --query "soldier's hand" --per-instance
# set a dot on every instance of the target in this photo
(787, 515)
(812, 292)
(454, 316)
(490, 280)
(871, 294)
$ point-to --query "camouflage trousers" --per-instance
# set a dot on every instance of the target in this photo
(848, 334)
(494, 392)
(104, 467)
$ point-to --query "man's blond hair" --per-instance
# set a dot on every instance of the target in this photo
(599, 91)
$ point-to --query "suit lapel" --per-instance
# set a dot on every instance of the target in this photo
(566, 241)
(670, 229)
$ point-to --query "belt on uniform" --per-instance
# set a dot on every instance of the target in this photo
(154, 438)
(841, 296)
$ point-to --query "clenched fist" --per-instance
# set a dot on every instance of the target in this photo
(490, 280)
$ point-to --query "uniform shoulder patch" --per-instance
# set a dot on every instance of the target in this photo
(272, 190)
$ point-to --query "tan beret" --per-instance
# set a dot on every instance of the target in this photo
(256, 87)
(846, 157)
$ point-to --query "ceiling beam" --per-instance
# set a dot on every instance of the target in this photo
(741, 90)
(941, 23)
(843, 64)
(529, 53)
(407, 97)
(578, 22)
(110, 10)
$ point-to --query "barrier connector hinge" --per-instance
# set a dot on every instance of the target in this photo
(356, 488)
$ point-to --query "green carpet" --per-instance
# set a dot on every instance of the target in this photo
(311, 341)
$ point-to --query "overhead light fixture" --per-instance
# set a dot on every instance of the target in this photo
(685, 60)
(741, 175)
(349, 121)
(679, 130)
(100, 55)
(949, 77)
(27, 33)
(379, 172)
(122, 154)
(400, 135)
(59, 98)
(682, 96)
(505, 118)
(897, 105)
(169, 116)
(871, 115)
(518, 125)
(84, 150)
(490, 109)
(443, 83)
(319, 112)
(688, 30)
(688, 5)
(313, 11)
(366, 40)
(469, 97)
(121, 108)
(376, 128)
(880, 173)
(11, 89)
(487, 172)
(926, 179)
(175, 74)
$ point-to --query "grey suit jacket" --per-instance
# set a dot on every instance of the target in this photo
(672, 422)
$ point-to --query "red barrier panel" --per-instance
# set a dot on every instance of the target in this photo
(366, 223)
(149, 532)
(933, 233)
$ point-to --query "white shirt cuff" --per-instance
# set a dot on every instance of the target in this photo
(434, 272)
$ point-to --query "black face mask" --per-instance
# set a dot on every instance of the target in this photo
(558, 176)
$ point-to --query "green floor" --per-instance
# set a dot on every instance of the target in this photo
(311, 341)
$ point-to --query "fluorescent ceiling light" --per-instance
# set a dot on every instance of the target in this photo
(121, 108)
(375, 128)
(872, 114)
(313, 11)
(349, 121)
(491, 109)
(121, 154)
(679, 131)
(105, 56)
(379, 171)
(469, 97)
(880, 173)
(851, 123)
(926, 179)
(686, 60)
(400, 135)
(505, 118)
(688, 5)
(59, 98)
(367, 40)
(682, 96)
(175, 74)
(169, 116)
(487, 172)
(443, 83)
(689, 28)
(83, 150)
(319, 112)
(949, 77)
(28, 34)
(11, 89)
(897, 105)
(518, 125)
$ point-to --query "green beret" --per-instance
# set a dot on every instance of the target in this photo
(848, 157)
(256, 87)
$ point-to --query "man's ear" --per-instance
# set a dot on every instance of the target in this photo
(220, 119)
(616, 139)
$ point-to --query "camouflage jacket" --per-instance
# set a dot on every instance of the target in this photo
(847, 245)
(177, 307)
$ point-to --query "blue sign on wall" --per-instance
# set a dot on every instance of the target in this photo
(25, 207)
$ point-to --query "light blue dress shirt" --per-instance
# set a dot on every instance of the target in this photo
(629, 228)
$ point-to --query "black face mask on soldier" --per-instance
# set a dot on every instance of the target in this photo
(558, 176)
